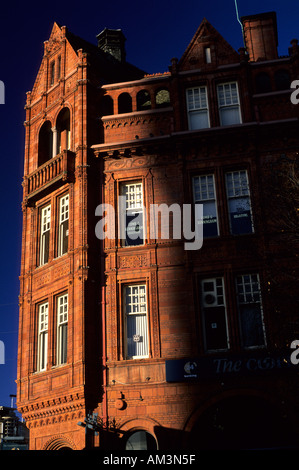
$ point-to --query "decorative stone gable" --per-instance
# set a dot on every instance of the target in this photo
(56, 46)
(207, 48)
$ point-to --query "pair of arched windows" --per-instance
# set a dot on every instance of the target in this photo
(143, 102)
(263, 83)
(162, 99)
(53, 140)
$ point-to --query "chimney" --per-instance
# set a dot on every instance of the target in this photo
(112, 41)
(294, 50)
(260, 35)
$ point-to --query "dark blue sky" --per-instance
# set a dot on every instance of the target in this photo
(156, 31)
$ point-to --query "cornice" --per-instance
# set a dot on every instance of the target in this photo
(226, 140)
(53, 406)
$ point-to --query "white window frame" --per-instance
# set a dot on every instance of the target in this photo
(45, 227)
(228, 101)
(206, 195)
(133, 195)
(42, 341)
(137, 309)
(248, 295)
(62, 329)
(220, 301)
(63, 217)
(239, 191)
(197, 105)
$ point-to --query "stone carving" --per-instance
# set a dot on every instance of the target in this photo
(42, 280)
(136, 261)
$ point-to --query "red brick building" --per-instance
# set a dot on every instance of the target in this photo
(173, 348)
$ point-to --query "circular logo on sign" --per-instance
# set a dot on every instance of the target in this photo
(190, 367)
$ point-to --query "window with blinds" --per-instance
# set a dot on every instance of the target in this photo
(136, 322)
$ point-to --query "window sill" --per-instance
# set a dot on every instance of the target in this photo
(128, 362)
(51, 261)
(37, 372)
(60, 256)
(58, 366)
(49, 370)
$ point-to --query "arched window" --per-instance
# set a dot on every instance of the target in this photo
(263, 83)
(45, 143)
(63, 130)
(59, 444)
(141, 440)
(162, 98)
(143, 100)
(124, 103)
(282, 80)
(106, 107)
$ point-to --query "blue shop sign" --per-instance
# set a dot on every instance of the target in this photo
(192, 369)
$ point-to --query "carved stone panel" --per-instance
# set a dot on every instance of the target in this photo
(133, 261)
(43, 277)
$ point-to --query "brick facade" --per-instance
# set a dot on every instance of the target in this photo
(134, 130)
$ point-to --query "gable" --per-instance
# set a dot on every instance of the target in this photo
(207, 37)
(54, 47)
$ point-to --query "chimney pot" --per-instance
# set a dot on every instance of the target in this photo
(112, 41)
(294, 50)
(174, 64)
(243, 55)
